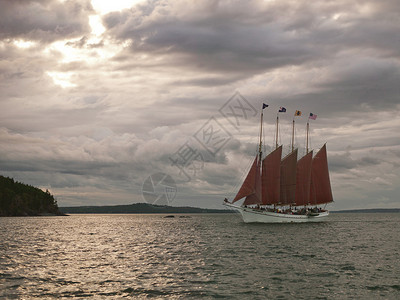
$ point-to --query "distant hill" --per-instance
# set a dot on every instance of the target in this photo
(146, 208)
(18, 199)
(370, 210)
(138, 208)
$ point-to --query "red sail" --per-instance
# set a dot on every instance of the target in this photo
(256, 197)
(303, 179)
(251, 187)
(288, 179)
(271, 171)
(321, 191)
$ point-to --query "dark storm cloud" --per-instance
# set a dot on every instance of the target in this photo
(344, 162)
(43, 20)
(361, 86)
(254, 38)
(219, 42)
(350, 46)
(208, 81)
(365, 80)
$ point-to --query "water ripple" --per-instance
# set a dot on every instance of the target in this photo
(205, 256)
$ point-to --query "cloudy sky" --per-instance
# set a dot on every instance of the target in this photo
(96, 96)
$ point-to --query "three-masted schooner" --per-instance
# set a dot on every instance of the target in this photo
(285, 190)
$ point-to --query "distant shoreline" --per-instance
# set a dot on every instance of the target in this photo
(369, 210)
(146, 208)
(140, 208)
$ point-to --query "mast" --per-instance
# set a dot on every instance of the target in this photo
(293, 136)
(261, 128)
(277, 126)
(251, 187)
(308, 128)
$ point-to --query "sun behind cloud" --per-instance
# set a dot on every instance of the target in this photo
(105, 6)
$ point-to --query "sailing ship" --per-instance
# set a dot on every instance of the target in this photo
(285, 190)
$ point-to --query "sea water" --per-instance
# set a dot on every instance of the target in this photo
(199, 256)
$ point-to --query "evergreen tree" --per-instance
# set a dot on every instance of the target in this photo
(18, 199)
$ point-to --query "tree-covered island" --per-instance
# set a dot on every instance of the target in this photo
(18, 199)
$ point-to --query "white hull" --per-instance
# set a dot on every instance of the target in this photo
(250, 215)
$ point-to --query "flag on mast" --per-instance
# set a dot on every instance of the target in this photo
(297, 113)
(312, 116)
(265, 105)
(282, 109)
